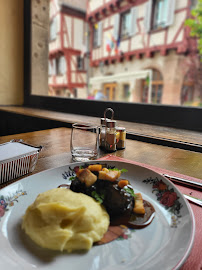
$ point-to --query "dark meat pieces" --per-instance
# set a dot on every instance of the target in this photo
(116, 200)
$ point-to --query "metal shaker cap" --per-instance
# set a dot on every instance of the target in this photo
(111, 123)
(103, 121)
(120, 129)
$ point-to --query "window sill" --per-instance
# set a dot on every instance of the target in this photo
(159, 29)
(142, 132)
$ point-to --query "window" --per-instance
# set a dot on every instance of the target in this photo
(159, 14)
(187, 91)
(110, 91)
(80, 63)
(57, 66)
(156, 89)
(36, 74)
(193, 3)
(160, 11)
(97, 35)
(125, 24)
(126, 91)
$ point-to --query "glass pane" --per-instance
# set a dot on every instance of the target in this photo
(68, 61)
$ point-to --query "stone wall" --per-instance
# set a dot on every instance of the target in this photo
(39, 47)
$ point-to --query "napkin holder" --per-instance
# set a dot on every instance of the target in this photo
(17, 159)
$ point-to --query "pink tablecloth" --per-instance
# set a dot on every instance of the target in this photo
(194, 261)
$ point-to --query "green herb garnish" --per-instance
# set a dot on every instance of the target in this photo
(98, 197)
(130, 191)
(72, 178)
(116, 169)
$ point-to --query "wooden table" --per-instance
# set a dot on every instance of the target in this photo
(56, 152)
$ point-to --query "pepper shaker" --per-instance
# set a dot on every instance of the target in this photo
(102, 132)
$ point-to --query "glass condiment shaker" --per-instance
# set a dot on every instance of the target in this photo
(110, 138)
(102, 132)
(120, 138)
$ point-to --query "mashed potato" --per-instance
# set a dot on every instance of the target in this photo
(61, 219)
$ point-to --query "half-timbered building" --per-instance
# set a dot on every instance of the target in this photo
(141, 51)
(67, 47)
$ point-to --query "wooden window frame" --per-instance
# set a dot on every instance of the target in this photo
(163, 115)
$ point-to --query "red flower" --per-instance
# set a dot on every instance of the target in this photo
(168, 198)
(2, 211)
(160, 185)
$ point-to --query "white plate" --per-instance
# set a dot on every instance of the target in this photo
(164, 244)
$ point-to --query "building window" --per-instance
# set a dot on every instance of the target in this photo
(59, 65)
(110, 91)
(156, 88)
(126, 91)
(187, 91)
(125, 24)
(193, 3)
(80, 63)
(97, 35)
(160, 13)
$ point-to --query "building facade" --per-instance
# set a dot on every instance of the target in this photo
(67, 48)
(141, 51)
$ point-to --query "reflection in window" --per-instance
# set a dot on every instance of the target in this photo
(157, 88)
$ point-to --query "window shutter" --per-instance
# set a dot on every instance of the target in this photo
(99, 38)
(62, 65)
(49, 68)
(57, 22)
(133, 21)
(53, 30)
(54, 67)
(170, 12)
(116, 26)
(148, 14)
